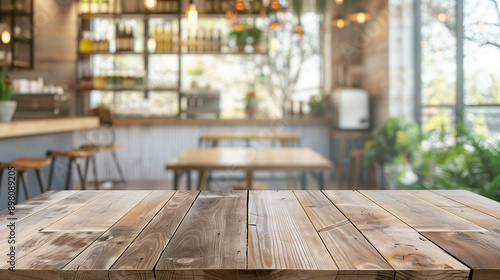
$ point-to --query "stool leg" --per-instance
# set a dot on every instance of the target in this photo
(51, 173)
(94, 170)
(1, 177)
(115, 158)
(80, 175)
(68, 175)
(18, 181)
(188, 180)
(22, 175)
(40, 181)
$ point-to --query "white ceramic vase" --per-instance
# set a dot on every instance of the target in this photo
(7, 109)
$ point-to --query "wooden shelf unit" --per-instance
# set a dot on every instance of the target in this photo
(146, 16)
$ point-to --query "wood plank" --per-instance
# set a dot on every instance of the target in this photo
(139, 259)
(44, 254)
(212, 238)
(478, 250)
(281, 237)
(472, 215)
(97, 259)
(101, 213)
(409, 253)
(45, 217)
(45, 126)
(31, 206)
(419, 214)
(473, 200)
(353, 254)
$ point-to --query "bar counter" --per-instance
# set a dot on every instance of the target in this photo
(125, 121)
(30, 127)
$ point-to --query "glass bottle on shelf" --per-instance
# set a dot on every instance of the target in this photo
(175, 36)
(160, 46)
(85, 42)
(200, 40)
(94, 6)
(104, 6)
(84, 6)
(168, 37)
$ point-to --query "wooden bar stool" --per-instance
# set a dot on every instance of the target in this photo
(73, 155)
(106, 121)
(22, 165)
(355, 166)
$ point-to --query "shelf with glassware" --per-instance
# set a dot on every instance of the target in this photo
(16, 34)
(154, 43)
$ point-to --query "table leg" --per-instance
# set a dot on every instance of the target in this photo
(303, 179)
(340, 167)
(321, 180)
(249, 180)
(202, 177)
(176, 180)
(188, 174)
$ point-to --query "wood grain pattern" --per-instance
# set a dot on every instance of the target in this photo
(139, 259)
(34, 205)
(44, 254)
(100, 255)
(473, 200)
(419, 214)
(46, 126)
(472, 215)
(352, 253)
(45, 217)
(211, 237)
(478, 250)
(101, 213)
(408, 252)
(281, 237)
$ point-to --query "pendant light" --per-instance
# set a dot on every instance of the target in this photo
(192, 13)
(5, 37)
(340, 22)
(339, 2)
(150, 4)
(239, 5)
(299, 31)
(360, 15)
(275, 4)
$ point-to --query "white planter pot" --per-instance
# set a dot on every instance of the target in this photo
(7, 109)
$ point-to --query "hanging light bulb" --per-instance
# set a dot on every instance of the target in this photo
(339, 2)
(5, 37)
(192, 13)
(274, 25)
(360, 15)
(238, 27)
(339, 21)
(150, 4)
(299, 30)
(275, 4)
(239, 5)
(442, 17)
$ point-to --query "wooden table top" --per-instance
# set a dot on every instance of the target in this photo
(250, 159)
(239, 135)
(29, 127)
(254, 235)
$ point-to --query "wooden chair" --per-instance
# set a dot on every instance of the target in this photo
(106, 121)
(73, 155)
(23, 165)
(355, 163)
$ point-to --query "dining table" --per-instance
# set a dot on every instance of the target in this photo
(168, 234)
(249, 160)
(285, 138)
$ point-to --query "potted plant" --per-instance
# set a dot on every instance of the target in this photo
(396, 147)
(316, 105)
(251, 104)
(252, 35)
(7, 106)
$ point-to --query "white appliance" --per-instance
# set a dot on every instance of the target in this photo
(351, 108)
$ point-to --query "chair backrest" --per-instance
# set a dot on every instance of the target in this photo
(105, 119)
(104, 116)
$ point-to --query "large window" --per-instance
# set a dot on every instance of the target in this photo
(460, 64)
